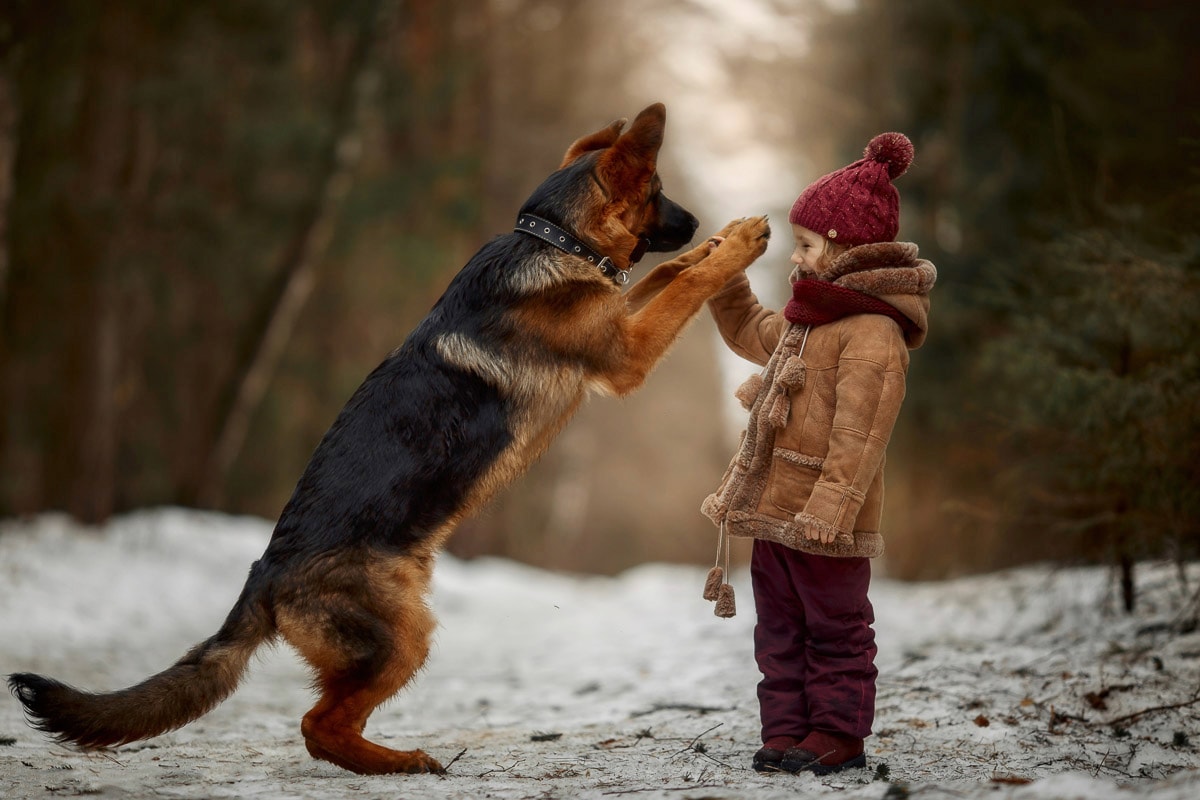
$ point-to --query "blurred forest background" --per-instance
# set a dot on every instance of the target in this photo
(217, 216)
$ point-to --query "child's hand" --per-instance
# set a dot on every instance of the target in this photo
(692, 257)
(817, 532)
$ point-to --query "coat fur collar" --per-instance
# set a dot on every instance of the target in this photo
(887, 268)
(892, 272)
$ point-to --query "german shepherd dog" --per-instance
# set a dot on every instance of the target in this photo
(475, 394)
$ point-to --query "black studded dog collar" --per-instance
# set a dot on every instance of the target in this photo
(552, 234)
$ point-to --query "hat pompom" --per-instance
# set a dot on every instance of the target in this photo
(893, 149)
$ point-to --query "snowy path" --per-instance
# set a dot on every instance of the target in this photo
(1002, 686)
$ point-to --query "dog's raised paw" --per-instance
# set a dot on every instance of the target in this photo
(752, 234)
(760, 227)
(730, 227)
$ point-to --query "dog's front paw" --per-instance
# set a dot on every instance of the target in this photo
(752, 233)
(744, 241)
(697, 254)
(730, 226)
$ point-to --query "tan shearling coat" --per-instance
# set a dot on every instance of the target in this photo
(822, 410)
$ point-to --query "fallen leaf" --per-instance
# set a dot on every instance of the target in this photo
(1011, 780)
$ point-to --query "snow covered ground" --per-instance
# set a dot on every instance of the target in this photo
(1023, 685)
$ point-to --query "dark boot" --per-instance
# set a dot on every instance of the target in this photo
(770, 755)
(823, 754)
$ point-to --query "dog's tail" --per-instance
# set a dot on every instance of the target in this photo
(174, 697)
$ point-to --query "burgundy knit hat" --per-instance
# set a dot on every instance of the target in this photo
(858, 204)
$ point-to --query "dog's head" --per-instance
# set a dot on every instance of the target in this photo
(608, 193)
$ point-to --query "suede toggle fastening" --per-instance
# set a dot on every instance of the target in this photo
(562, 239)
(717, 588)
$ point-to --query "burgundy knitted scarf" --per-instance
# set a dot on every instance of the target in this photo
(819, 302)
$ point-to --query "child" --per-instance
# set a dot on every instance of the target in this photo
(807, 480)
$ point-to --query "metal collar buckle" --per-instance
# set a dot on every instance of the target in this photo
(610, 269)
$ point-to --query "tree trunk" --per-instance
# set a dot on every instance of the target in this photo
(82, 469)
(8, 155)
(9, 111)
(267, 336)
(1128, 591)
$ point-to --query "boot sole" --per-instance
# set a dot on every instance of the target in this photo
(768, 764)
(817, 768)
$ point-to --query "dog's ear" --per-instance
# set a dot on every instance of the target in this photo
(605, 137)
(634, 156)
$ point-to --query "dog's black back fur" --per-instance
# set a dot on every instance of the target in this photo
(417, 434)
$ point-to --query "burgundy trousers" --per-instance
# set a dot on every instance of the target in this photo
(813, 642)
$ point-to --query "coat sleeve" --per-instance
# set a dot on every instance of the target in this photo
(869, 391)
(750, 330)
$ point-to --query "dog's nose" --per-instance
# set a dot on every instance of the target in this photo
(688, 227)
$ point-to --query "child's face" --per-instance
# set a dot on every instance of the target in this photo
(810, 246)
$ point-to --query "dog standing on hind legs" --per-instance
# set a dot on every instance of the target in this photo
(534, 321)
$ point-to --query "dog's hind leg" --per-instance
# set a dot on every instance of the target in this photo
(362, 658)
(333, 728)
